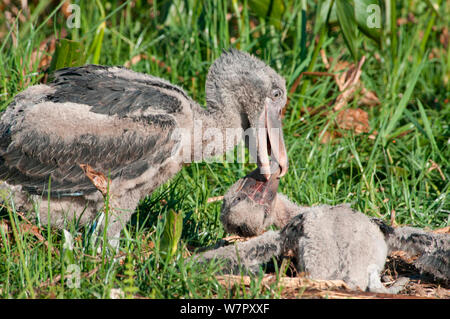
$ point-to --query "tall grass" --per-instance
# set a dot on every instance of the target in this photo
(402, 174)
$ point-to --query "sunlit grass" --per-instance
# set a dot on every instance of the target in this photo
(390, 176)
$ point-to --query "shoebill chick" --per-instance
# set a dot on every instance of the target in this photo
(132, 128)
(328, 242)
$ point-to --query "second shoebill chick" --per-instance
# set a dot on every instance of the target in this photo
(328, 242)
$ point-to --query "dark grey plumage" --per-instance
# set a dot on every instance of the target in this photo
(124, 125)
(35, 155)
(110, 94)
(246, 257)
(433, 250)
(327, 242)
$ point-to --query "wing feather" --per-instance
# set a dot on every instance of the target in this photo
(111, 93)
(30, 155)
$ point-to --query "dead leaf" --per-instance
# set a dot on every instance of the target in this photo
(434, 166)
(65, 9)
(43, 54)
(327, 137)
(32, 229)
(444, 38)
(341, 65)
(134, 60)
(348, 83)
(350, 78)
(353, 119)
(26, 227)
(393, 215)
(97, 178)
(324, 58)
(434, 54)
(399, 264)
(401, 21)
(368, 98)
(410, 19)
(300, 286)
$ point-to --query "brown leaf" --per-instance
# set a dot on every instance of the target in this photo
(327, 137)
(401, 21)
(342, 65)
(97, 178)
(443, 38)
(323, 55)
(65, 9)
(134, 60)
(348, 82)
(32, 229)
(43, 54)
(354, 119)
(285, 282)
(337, 67)
(434, 166)
(368, 98)
(393, 215)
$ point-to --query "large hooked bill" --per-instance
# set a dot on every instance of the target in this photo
(259, 189)
(271, 143)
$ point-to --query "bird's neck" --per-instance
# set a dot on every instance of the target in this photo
(284, 210)
(217, 129)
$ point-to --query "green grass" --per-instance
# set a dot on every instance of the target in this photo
(377, 176)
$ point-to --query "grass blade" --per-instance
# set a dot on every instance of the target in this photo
(403, 102)
(428, 130)
(346, 17)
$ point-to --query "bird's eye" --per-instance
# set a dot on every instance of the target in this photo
(276, 93)
(237, 199)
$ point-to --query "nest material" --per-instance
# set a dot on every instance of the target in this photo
(296, 285)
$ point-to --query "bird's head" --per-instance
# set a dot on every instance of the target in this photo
(239, 82)
(248, 206)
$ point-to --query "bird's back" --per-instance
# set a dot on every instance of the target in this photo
(339, 243)
(115, 120)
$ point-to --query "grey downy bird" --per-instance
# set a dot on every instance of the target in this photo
(135, 129)
(328, 242)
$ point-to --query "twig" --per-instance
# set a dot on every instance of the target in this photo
(214, 199)
(348, 84)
